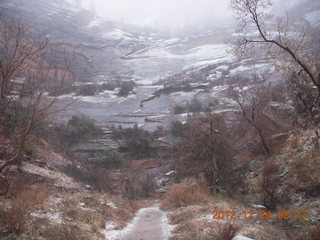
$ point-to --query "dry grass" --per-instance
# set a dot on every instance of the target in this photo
(315, 234)
(64, 232)
(96, 222)
(25, 201)
(14, 219)
(125, 209)
(299, 180)
(95, 211)
(190, 230)
(182, 215)
(184, 194)
(278, 232)
(222, 231)
(270, 184)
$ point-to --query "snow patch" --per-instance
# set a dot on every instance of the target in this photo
(116, 234)
(169, 173)
(118, 34)
(60, 179)
(240, 237)
(257, 206)
(112, 205)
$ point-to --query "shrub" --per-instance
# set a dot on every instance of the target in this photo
(63, 232)
(56, 90)
(137, 188)
(96, 222)
(148, 185)
(87, 89)
(14, 116)
(194, 106)
(15, 219)
(96, 177)
(222, 231)
(126, 88)
(77, 129)
(183, 194)
(111, 159)
(178, 217)
(205, 151)
(42, 129)
(179, 109)
(270, 184)
(107, 86)
(202, 230)
(136, 141)
(188, 230)
(178, 129)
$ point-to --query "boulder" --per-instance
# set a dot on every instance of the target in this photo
(254, 166)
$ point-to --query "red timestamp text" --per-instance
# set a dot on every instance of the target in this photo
(262, 215)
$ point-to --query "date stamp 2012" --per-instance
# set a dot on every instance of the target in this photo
(262, 215)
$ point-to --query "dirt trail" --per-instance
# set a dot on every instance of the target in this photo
(149, 224)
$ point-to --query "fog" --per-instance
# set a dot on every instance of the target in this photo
(171, 14)
(164, 13)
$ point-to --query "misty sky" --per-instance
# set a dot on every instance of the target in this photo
(164, 13)
(171, 14)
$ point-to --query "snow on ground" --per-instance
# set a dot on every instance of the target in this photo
(162, 60)
(184, 97)
(206, 55)
(106, 98)
(208, 51)
(240, 237)
(205, 63)
(112, 205)
(52, 214)
(196, 57)
(118, 34)
(217, 89)
(169, 173)
(257, 206)
(53, 217)
(96, 22)
(143, 219)
(60, 180)
(259, 69)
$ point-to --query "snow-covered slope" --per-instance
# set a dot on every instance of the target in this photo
(110, 51)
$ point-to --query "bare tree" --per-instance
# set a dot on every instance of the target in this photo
(251, 110)
(27, 73)
(298, 48)
(205, 150)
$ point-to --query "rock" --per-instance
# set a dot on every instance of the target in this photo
(88, 188)
(254, 166)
